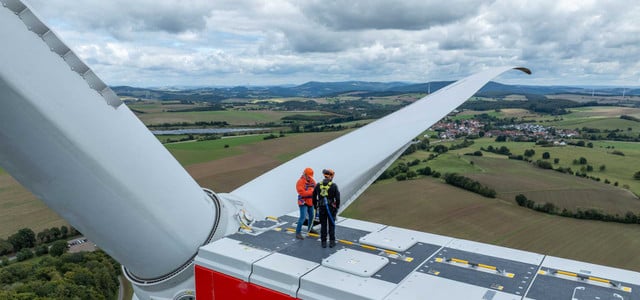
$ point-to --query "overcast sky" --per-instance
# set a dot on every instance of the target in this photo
(241, 42)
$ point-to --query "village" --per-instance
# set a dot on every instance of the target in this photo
(450, 129)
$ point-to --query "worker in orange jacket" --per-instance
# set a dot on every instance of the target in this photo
(305, 186)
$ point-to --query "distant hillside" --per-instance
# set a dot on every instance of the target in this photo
(367, 89)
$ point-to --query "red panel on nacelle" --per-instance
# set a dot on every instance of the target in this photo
(212, 285)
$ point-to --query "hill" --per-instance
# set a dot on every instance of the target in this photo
(329, 89)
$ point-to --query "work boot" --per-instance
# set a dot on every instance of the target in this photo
(324, 244)
(332, 244)
(299, 236)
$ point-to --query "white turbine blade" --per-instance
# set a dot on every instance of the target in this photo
(65, 136)
(359, 157)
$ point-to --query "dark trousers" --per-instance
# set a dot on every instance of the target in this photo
(325, 222)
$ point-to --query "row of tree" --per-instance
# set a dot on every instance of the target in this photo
(26, 238)
(588, 214)
(57, 248)
(469, 184)
(503, 150)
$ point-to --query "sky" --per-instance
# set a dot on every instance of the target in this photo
(154, 43)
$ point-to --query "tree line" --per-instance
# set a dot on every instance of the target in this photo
(25, 238)
(167, 125)
(469, 185)
(588, 214)
(536, 103)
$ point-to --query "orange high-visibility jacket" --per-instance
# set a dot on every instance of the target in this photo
(305, 190)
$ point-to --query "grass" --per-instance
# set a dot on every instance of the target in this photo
(600, 118)
(189, 153)
(511, 177)
(617, 168)
(233, 117)
(453, 163)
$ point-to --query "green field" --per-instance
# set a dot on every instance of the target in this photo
(600, 118)
(192, 152)
(512, 177)
(617, 168)
(233, 117)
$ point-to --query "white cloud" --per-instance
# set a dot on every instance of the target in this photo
(226, 42)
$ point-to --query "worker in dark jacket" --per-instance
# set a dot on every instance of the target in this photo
(326, 198)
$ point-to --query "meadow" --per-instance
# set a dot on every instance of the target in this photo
(233, 117)
(617, 168)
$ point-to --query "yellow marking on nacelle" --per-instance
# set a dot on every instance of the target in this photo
(272, 218)
(346, 242)
(567, 273)
(599, 279)
(391, 252)
(487, 267)
(461, 261)
(626, 289)
(368, 247)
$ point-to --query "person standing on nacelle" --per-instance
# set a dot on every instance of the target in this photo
(326, 197)
(305, 186)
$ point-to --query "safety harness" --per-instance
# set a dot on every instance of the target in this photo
(324, 193)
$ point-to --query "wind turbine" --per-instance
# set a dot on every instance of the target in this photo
(71, 141)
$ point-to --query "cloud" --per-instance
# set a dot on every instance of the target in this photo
(380, 14)
(290, 41)
(125, 19)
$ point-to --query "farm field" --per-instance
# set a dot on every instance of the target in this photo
(599, 98)
(191, 152)
(233, 117)
(599, 117)
(227, 173)
(19, 208)
(618, 168)
(512, 177)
